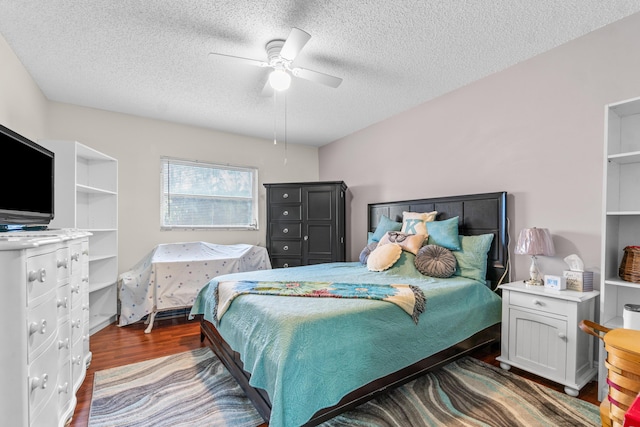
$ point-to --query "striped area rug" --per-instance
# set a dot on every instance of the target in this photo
(194, 389)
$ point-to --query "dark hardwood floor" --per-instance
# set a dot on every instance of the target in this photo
(114, 346)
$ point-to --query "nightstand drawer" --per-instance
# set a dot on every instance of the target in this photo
(539, 303)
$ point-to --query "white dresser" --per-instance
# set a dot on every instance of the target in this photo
(45, 317)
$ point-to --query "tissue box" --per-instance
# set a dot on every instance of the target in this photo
(581, 281)
(557, 283)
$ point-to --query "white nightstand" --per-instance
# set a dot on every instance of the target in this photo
(540, 333)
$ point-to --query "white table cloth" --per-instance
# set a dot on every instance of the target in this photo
(172, 274)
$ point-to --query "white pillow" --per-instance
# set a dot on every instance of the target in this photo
(383, 257)
(415, 222)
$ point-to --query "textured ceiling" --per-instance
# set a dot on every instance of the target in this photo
(150, 58)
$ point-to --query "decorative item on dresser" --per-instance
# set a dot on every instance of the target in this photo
(305, 223)
(540, 333)
(620, 218)
(45, 310)
(535, 241)
(86, 198)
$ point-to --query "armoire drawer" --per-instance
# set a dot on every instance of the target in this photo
(286, 195)
(282, 230)
(286, 212)
(286, 247)
(277, 262)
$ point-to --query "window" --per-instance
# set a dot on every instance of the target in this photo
(206, 195)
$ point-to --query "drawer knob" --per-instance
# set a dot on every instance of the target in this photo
(39, 382)
(285, 231)
(85, 252)
(285, 213)
(285, 196)
(285, 265)
(538, 302)
(76, 323)
(39, 275)
(562, 336)
(306, 238)
(35, 327)
(285, 248)
(75, 257)
(62, 302)
(77, 360)
(63, 344)
(63, 388)
(63, 263)
(75, 289)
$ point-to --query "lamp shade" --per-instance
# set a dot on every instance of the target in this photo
(535, 241)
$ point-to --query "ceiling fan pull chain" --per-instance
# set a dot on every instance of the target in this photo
(285, 128)
(275, 117)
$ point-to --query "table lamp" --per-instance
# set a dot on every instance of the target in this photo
(535, 241)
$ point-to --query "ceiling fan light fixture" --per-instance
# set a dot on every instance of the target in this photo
(279, 80)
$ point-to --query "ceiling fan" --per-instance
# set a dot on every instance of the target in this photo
(280, 57)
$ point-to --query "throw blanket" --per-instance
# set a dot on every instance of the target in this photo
(408, 297)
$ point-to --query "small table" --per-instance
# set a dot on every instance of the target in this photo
(540, 333)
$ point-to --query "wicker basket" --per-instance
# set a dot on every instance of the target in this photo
(630, 266)
(623, 366)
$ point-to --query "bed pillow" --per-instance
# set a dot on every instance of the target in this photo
(414, 222)
(444, 233)
(364, 255)
(435, 261)
(472, 257)
(383, 257)
(408, 242)
(385, 224)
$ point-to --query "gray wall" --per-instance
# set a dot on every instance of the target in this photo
(534, 130)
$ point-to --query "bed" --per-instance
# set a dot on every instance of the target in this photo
(170, 276)
(304, 360)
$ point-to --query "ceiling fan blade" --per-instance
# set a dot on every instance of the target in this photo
(317, 77)
(239, 59)
(294, 43)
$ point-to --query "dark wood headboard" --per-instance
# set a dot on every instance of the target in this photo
(478, 214)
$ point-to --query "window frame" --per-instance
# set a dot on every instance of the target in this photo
(199, 163)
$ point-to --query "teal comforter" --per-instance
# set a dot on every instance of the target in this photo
(307, 353)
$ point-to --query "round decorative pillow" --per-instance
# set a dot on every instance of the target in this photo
(364, 255)
(383, 257)
(435, 261)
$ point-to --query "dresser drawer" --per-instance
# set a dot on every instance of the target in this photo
(77, 324)
(63, 301)
(539, 302)
(77, 364)
(286, 247)
(41, 275)
(286, 212)
(286, 195)
(280, 230)
(43, 378)
(75, 255)
(41, 325)
(62, 263)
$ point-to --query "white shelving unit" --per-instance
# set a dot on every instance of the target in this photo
(621, 215)
(86, 198)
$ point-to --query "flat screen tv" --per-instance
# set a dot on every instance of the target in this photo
(27, 176)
